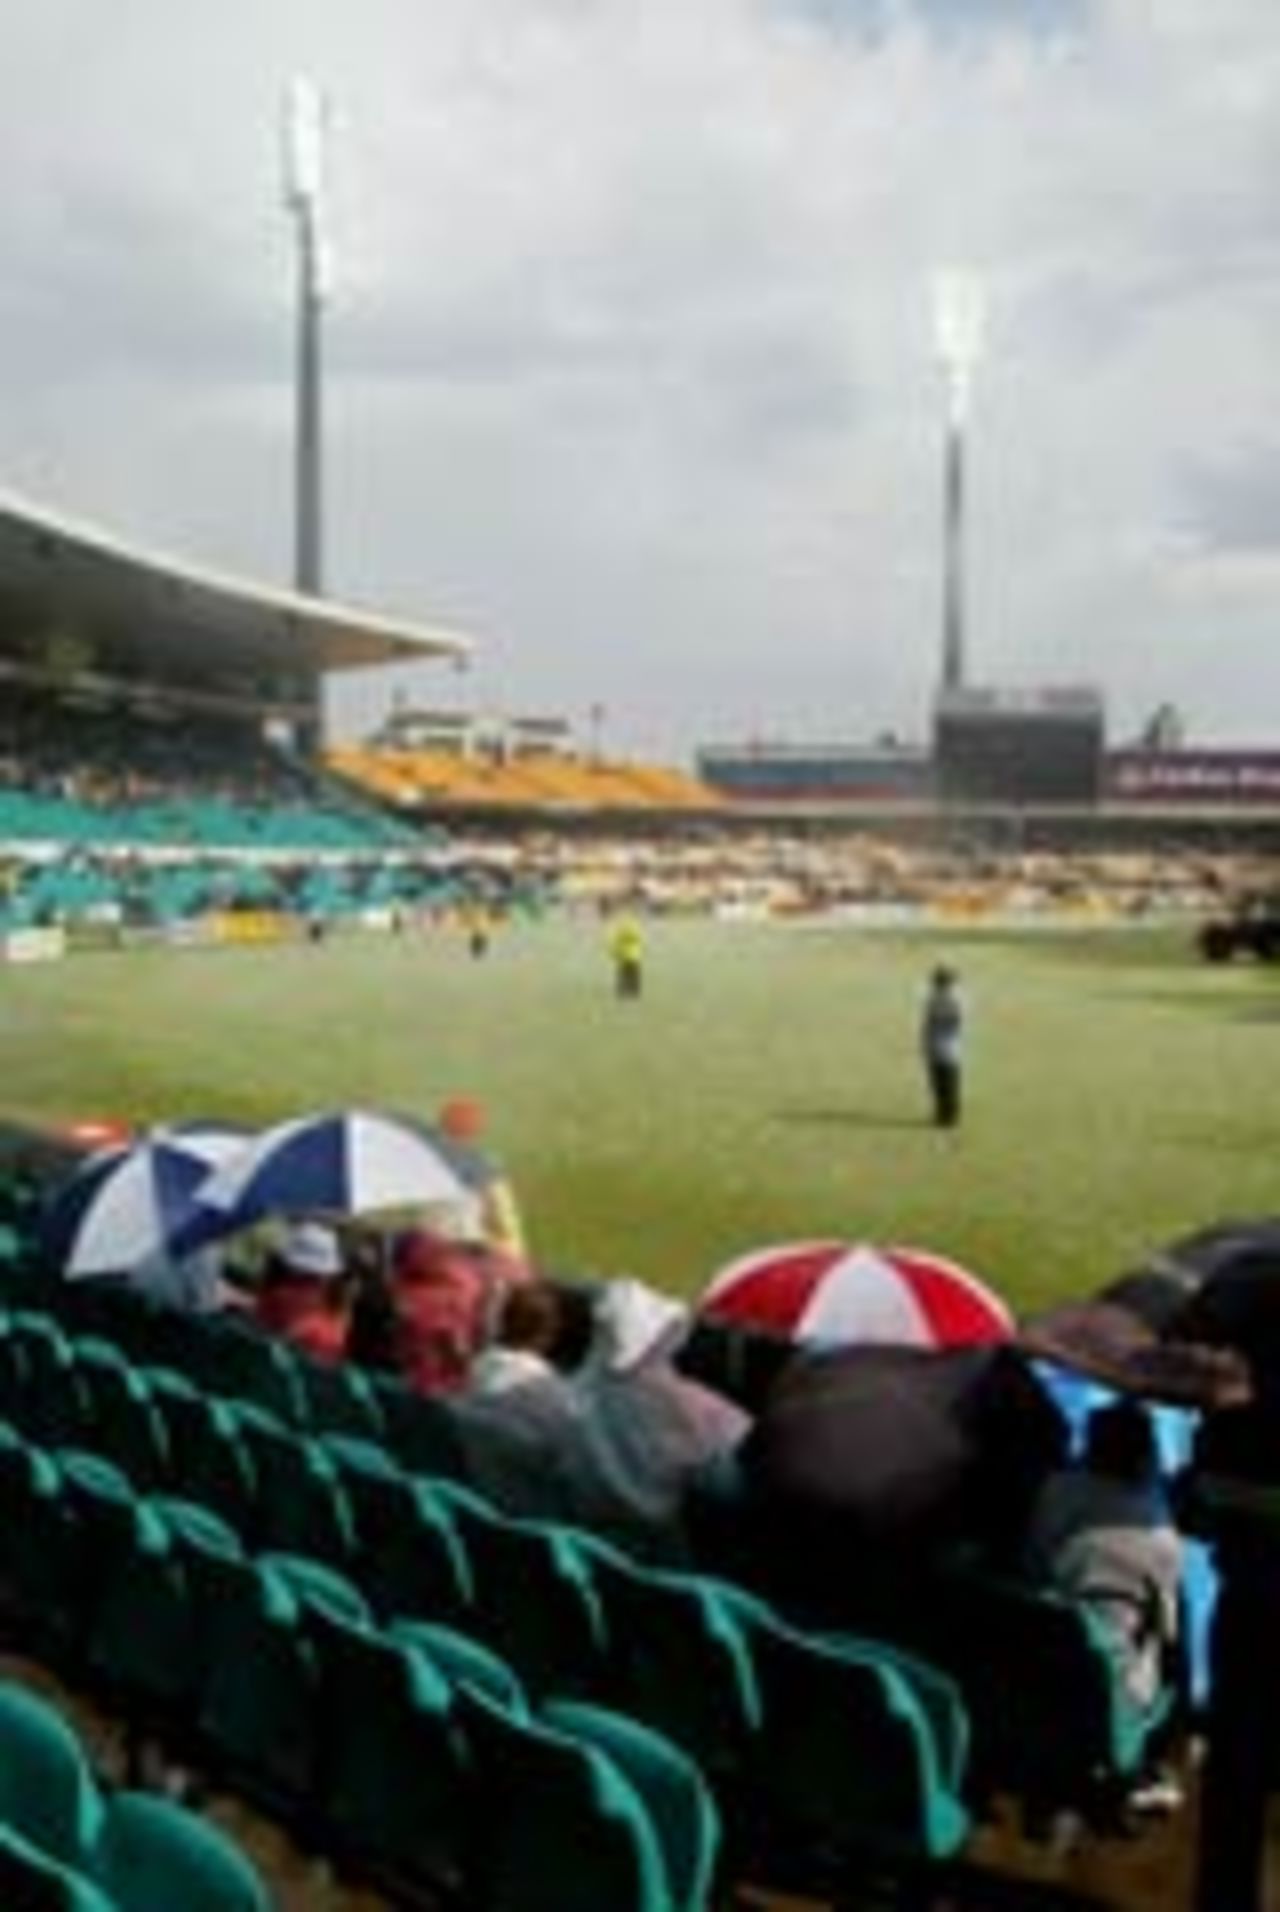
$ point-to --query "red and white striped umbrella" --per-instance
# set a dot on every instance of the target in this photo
(831, 1292)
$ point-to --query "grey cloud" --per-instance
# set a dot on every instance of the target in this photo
(629, 342)
(1231, 504)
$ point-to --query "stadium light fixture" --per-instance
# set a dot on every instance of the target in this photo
(959, 330)
(306, 116)
(959, 322)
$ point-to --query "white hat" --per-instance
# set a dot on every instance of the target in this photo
(634, 1322)
(309, 1248)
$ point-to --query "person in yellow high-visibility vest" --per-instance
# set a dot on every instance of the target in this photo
(626, 948)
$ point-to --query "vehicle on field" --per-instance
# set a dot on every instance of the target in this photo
(1250, 928)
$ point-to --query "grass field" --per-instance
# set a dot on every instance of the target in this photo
(766, 1088)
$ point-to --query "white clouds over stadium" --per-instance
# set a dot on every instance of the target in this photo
(629, 347)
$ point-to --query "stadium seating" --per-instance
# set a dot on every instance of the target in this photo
(31, 1880)
(520, 1609)
(153, 1856)
(66, 1843)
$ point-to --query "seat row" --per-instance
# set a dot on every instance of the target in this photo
(847, 1744)
(385, 1748)
(65, 1841)
(1051, 1722)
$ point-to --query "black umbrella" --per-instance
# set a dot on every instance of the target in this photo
(1196, 1323)
(1160, 1288)
(902, 1445)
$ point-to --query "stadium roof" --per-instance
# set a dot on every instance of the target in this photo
(128, 608)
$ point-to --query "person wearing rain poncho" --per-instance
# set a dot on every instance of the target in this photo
(645, 1435)
(579, 1413)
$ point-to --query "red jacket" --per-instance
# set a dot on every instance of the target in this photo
(300, 1308)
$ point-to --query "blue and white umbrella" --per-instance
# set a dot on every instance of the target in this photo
(126, 1206)
(351, 1162)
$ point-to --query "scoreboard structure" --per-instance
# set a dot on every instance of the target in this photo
(999, 746)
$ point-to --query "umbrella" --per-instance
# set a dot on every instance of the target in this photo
(1191, 1325)
(126, 1205)
(902, 1443)
(348, 1162)
(827, 1292)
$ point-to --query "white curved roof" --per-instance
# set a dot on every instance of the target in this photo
(133, 608)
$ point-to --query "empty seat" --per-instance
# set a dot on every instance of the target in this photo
(677, 1657)
(209, 1461)
(534, 1594)
(395, 1789)
(118, 1416)
(48, 1794)
(237, 1358)
(109, 1524)
(30, 1881)
(460, 1659)
(154, 1856)
(847, 1771)
(257, 1709)
(340, 1398)
(47, 1406)
(675, 1794)
(302, 1506)
(36, 1539)
(410, 1559)
(573, 1833)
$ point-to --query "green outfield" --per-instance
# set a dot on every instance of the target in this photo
(766, 1087)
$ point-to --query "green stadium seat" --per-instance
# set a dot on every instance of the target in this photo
(422, 1433)
(118, 1416)
(463, 1660)
(30, 1881)
(675, 1794)
(48, 1793)
(410, 1559)
(339, 1399)
(108, 1524)
(257, 1709)
(1051, 1722)
(238, 1360)
(847, 1773)
(209, 1459)
(36, 1543)
(937, 1693)
(147, 1641)
(302, 1505)
(573, 1834)
(47, 1408)
(154, 1856)
(396, 1793)
(534, 1597)
(677, 1658)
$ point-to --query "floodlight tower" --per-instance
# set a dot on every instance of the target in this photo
(305, 118)
(959, 315)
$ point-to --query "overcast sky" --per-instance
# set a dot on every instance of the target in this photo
(631, 373)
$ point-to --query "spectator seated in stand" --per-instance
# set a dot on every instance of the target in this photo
(644, 1436)
(517, 1416)
(1102, 1532)
(303, 1293)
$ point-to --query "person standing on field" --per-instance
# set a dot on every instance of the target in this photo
(626, 947)
(942, 1046)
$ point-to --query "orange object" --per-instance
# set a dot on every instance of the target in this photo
(462, 1118)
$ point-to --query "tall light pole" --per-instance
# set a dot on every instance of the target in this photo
(959, 317)
(305, 116)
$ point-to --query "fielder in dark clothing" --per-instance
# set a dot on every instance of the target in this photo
(941, 1045)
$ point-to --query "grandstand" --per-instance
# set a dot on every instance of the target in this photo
(461, 764)
(159, 733)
